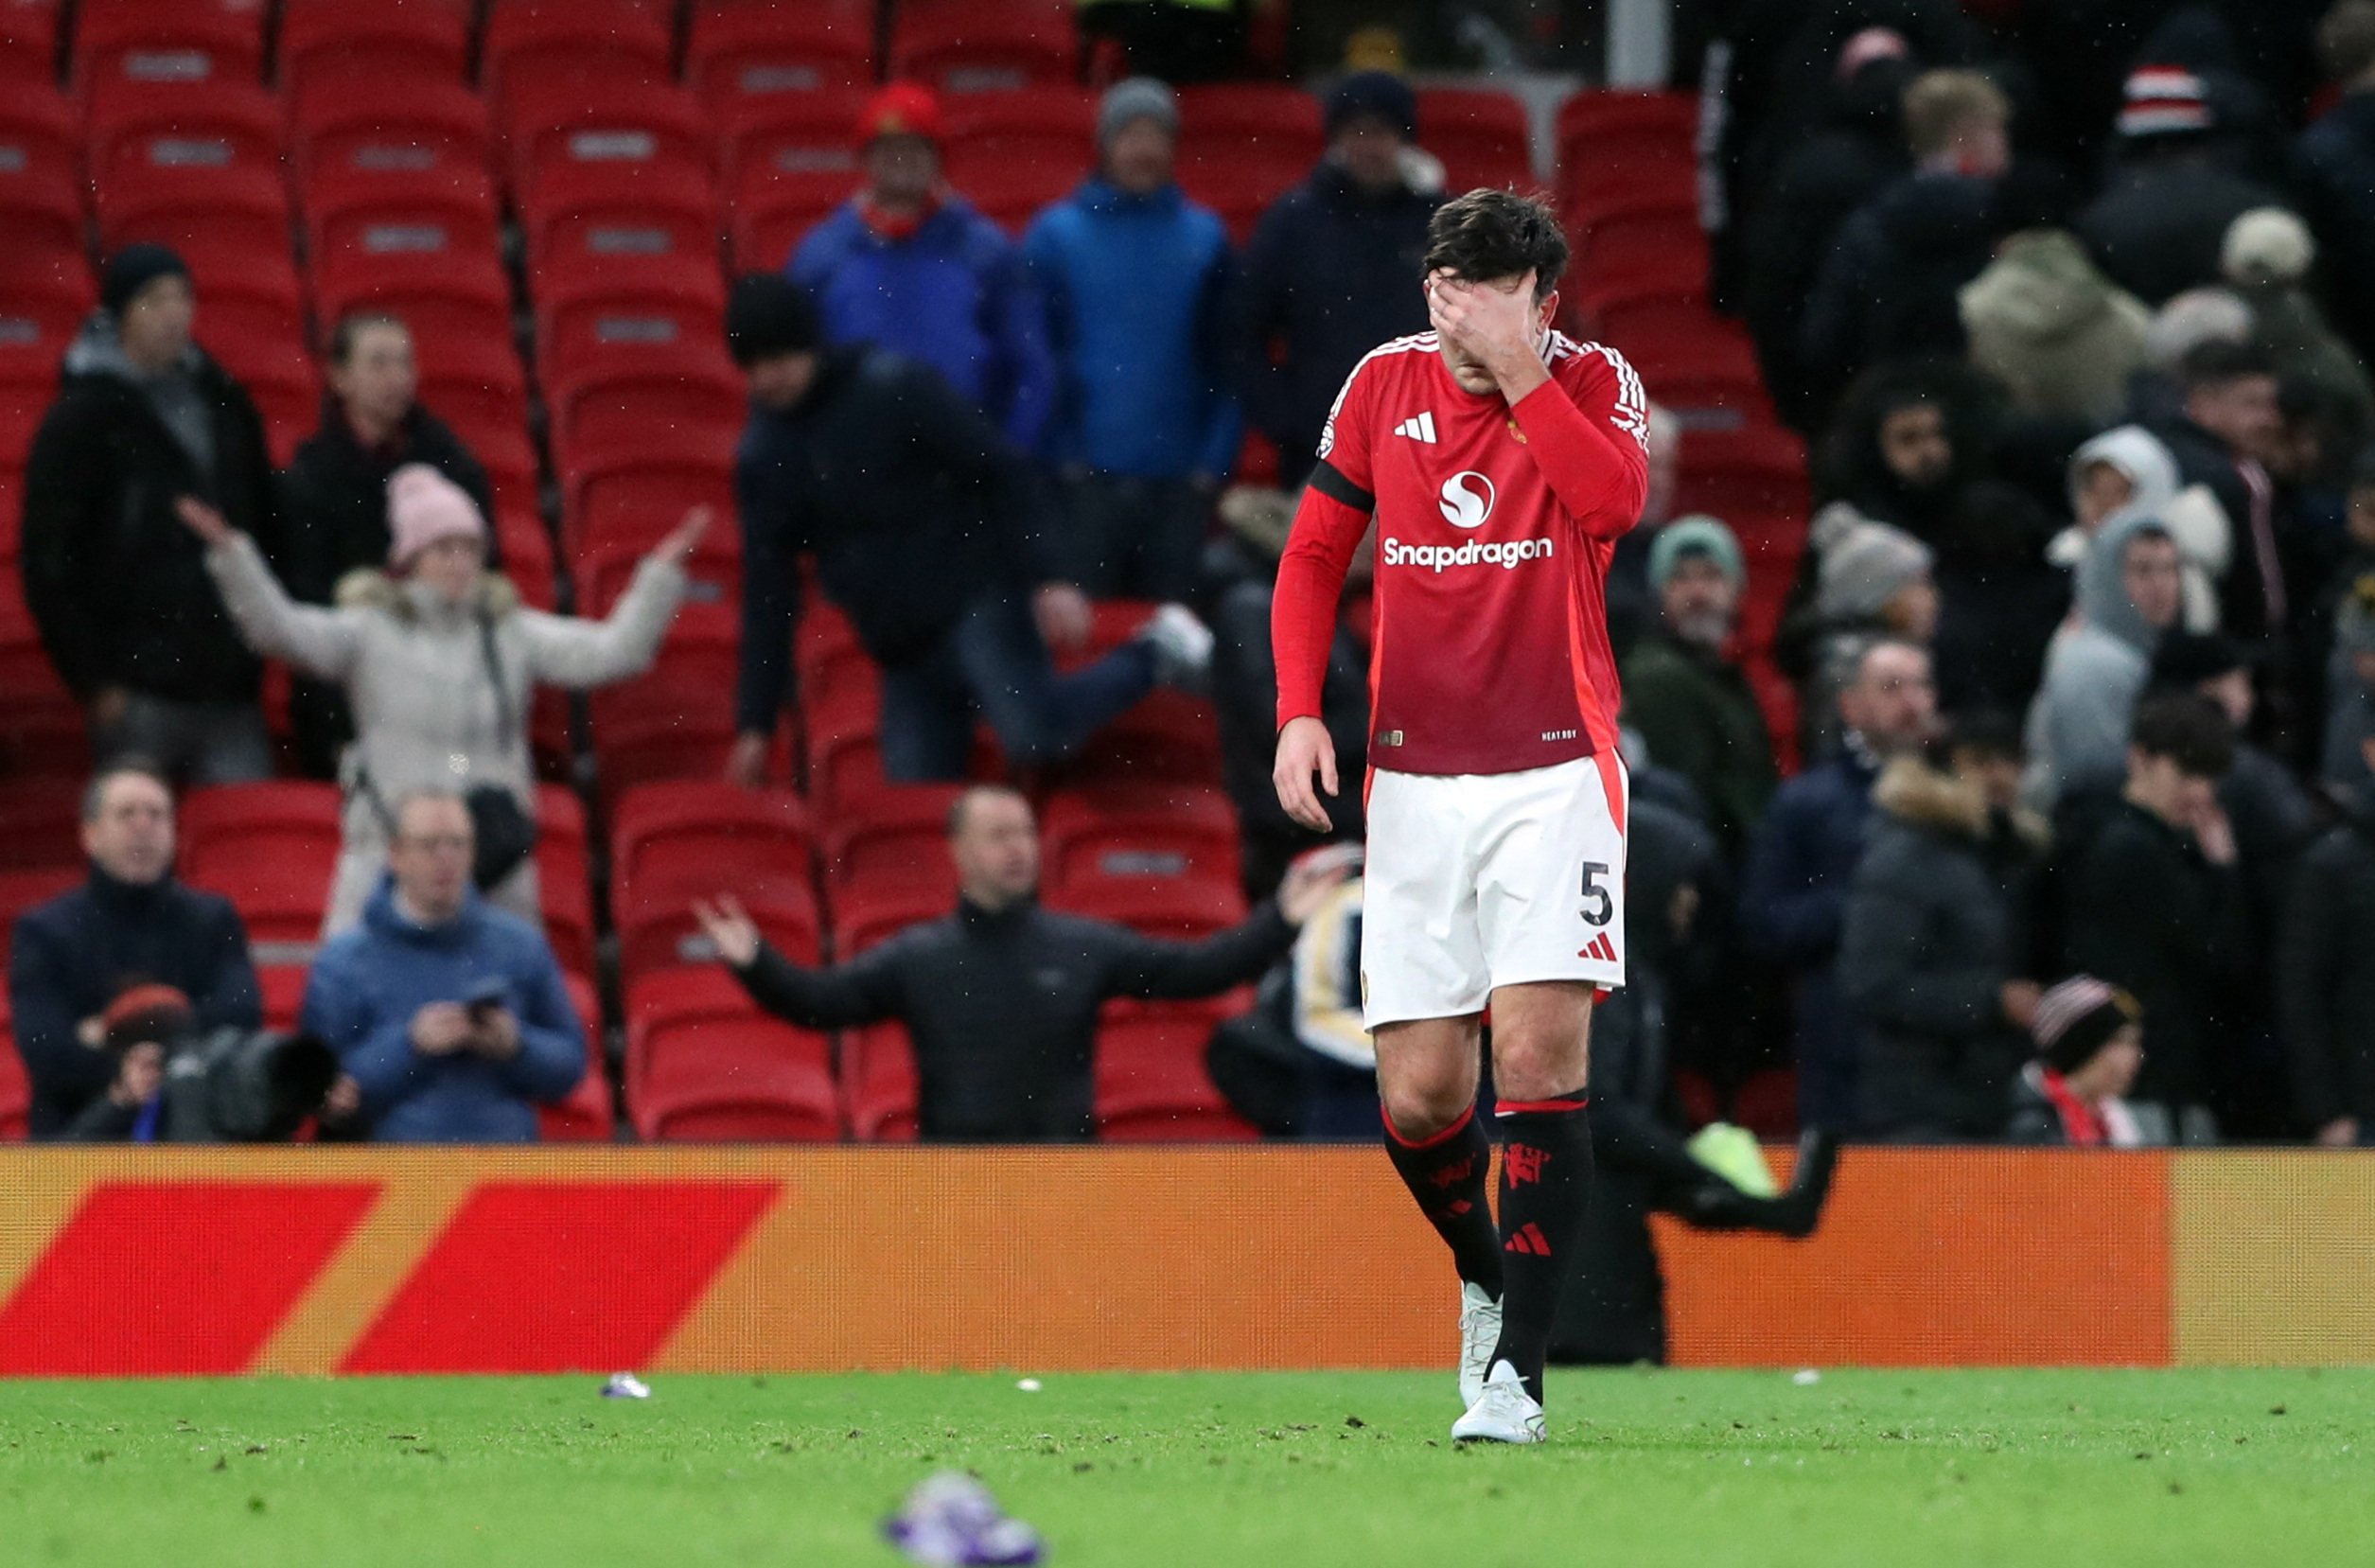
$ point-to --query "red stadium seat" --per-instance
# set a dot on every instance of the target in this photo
(283, 985)
(228, 829)
(435, 211)
(1482, 136)
(22, 890)
(28, 45)
(878, 1085)
(1153, 1085)
(595, 415)
(1242, 145)
(1014, 152)
(741, 49)
(33, 341)
(636, 494)
(358, 121)
(41, 820)
(657, 929)
(539, 45)
(591, 334)
(565, 896)
(1187, 911)
(16, 1092)
(186, 42)
(1151, 832)
(585, 218)
(703, 1063)
(237, 214)
(413, 40)
(164, 125)
(281, 900)
(674, 722)
(984, 46)
(790, 134)
(440, 296)
(869, 914)
(699, 827)
(1758, 469)
(1619, 127)
(40, 172)
(472, 383)
(772, 217)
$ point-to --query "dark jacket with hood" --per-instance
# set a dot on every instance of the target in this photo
(117, 584)
(2157, 226)
(367, 985)
(1330, 273)
(1890, 285)
(2333, 169)
(1935, 929)
(74, 955)
(2150, 915)
(1002, 1007)
(2325, 980)
(334, 497)
(912, 502)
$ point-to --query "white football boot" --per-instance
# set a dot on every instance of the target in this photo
(1480, 1334)
(1504, 1413)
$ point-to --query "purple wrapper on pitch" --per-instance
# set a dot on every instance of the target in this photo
(951, 1521)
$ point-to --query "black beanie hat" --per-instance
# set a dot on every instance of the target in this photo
(766, 315)
(133, 269)
(1379, 93)
(2077, 1018)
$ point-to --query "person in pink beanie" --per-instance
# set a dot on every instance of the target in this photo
(440, 661)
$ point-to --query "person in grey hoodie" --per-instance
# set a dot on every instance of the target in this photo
(2063, 338)
(126, 614)
(2130, 590)
(439, 661)
(2128, 470)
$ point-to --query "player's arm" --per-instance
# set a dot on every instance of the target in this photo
(1328, 524)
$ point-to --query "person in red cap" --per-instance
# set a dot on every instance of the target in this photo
(908, 265)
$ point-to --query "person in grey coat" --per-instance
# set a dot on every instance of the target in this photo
(1931, 958)
(2131, 588)
(433, 708)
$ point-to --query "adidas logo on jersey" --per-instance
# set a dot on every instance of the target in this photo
(1418, 428)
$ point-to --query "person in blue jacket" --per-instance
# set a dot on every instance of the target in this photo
(449, 1015)
(1136, 279)
(908, 265)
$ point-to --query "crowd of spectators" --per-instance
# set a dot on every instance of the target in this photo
(2081, 844)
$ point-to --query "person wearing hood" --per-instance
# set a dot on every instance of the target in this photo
(1135, 278)
(2157, 226)
(1888, 288)
(440, 661)
(117, 590)
(1689, 703)
(131, 922)
(1326, 275)
(334, 494)
(2128, 471)
(1933, 952)
(2089, 1038)
(2061, 337)
(2325, 986)
(2130, 590)
(1819, 184)
(448, 1017)
(908, 265)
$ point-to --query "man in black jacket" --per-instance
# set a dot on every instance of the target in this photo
(1327, 274)
(2229, 427)
(2333, 166)
(117, 586)
(132, 923)
(2158, 908)
(2325, 985)
(2157, 226)
(334, 495)
(923, 523)
(1001, 997)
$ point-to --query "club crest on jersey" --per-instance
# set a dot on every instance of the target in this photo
(1467, 500)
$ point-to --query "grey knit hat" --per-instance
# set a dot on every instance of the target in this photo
(1866, 568)
(1138, 98)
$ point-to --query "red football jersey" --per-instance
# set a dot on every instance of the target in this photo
(1495, 525)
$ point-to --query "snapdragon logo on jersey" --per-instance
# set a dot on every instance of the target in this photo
(1466, 501)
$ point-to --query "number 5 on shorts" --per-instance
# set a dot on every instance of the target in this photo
(1599, 905)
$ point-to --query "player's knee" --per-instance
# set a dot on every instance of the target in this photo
(1537, 1063)
(1421, 1108)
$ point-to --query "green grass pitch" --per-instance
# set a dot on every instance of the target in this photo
(1646, 1468)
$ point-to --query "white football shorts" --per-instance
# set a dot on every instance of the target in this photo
(1478, 880)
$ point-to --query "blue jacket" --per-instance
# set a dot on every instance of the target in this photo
(1793, 910)
(1136, 290)
(956, 295)
(73, 955)
(367, 985)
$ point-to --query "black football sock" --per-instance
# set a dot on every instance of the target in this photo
(1446, 1174)
(1546, 1184)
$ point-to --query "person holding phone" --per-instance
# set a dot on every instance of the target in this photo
(449, 1015)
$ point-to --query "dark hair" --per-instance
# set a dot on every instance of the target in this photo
(962, 807)
(95, 793)
(1985, 732)
(2218, 362)
(354, 325)
(1488, 235)
(2191, 731)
